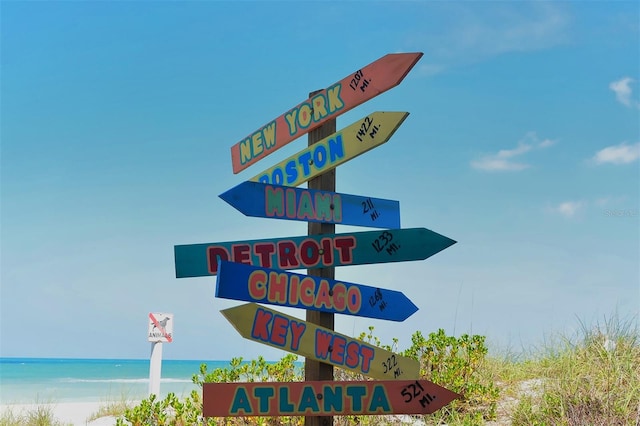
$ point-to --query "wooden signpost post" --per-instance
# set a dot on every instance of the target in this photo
(261, 324)
(315, 398)
(323, 250)
(237, 281)
(285, 202)
(313, 369)
(322, 106)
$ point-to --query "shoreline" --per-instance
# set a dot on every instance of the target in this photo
(67, 413)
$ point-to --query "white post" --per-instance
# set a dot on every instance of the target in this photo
(155, 368)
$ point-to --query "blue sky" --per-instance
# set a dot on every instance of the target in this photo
(522, 144)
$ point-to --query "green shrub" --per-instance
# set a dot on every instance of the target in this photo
(453, 363)
(171, 411)
(456, 364)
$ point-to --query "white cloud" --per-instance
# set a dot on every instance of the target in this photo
(569, 209)
(618, 154)
(622, 89)
(472, 32)
(430, 69)
(498, 165)
(546, 143)
(503, 160)
(610, 200)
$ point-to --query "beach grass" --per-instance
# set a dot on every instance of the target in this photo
(38, 415)
(115, 407)
(593, 379)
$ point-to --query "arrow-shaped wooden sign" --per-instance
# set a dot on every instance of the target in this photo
(237, 281)
(322, 398)
(328, 153)
(353, 90)
(284, 202)
(273, 328)
(306, 252)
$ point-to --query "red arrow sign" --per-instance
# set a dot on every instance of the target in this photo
(353, 90)
(317, 398)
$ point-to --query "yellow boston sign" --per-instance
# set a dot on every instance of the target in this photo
(330, 152)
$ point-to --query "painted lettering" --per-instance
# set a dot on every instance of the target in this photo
(304, 115)
(319, 103)
(308, 400)
(353, 354)
(307, 290)
(253, 145)
(265, 251)
(332, 398)
(215, 253)
(241, 253)
(297, 330)
(338, 344)
(325, 210)
(286, 406)
(279, 330)
(263, 394)
(305, 206)
(256, 144)
(291, 117)
(260, 329)
(274, 201)
(320, 157)
(335, 101)
(274, 329)
(258, 285)
(241, 402)
(356, 353)
(285, 254)
(356, 393)
(315, 109)
(339, 291)
(291, 203)
(323, 296)
(278, 283)
(281, 288)
(301, 205)
(379, 401)
(336, 149)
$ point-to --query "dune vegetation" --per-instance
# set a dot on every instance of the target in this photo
(589, 379)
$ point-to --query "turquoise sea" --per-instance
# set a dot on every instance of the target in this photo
(30, 380)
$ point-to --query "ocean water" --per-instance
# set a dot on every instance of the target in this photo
(42, 380)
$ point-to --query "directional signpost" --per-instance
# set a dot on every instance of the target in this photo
(328, 153)
(255, 270)
(284, 202)
(356, 248)
(381, 397)
(273, 328)
(353, 90)
(252, 284)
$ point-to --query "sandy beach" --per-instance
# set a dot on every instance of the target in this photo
(67, 413)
